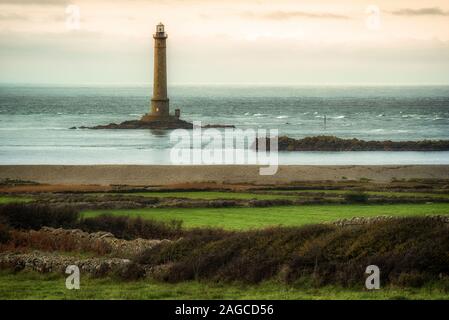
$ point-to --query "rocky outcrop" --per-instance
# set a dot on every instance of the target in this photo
(138, 124)
(157, 125)
(332, 143)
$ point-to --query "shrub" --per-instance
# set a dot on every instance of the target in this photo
(182, 248)
(36, 216)
(4, 232)
(270, 202)
(247, 256)
(413, 279)
(46, 241)
(131, 228)
(409, 245)
(356, 197)
(131, 271)
(408, 251)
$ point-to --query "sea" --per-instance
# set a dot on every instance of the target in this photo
(35, 121)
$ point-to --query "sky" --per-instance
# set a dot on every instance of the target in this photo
(83, 42)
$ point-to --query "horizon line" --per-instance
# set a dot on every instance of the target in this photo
(242, 84)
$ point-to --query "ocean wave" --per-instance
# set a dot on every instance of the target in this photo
(338, 117)
(414, 116)
(282, 117)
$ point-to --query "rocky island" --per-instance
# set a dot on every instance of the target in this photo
(159, 117)
(332, 143)
(159, 125)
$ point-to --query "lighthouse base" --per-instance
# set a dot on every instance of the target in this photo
(149, 117)
(149, 121)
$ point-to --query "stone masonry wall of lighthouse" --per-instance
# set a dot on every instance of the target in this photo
(160, 102)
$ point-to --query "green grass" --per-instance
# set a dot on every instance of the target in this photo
(211, 195)
(9, 199)
(247, 218)
(32, 285)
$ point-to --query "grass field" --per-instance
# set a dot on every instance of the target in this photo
(11, 199)
(246, 218)
(32, 285)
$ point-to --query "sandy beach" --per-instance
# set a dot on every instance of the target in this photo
(153, 175)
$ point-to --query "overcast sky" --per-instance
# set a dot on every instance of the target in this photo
(210, 41)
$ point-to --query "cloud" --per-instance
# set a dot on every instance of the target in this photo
(12, 16)
(35, 2)
(421, 12)
(282, 15)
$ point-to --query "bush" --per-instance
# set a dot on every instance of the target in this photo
(182, 248)
(408, 251)
(247, 256)
(131, 271)
(35, 216)
(270, 202)
(46, 241)
(408, 245)
(4, 233)
(413, 279)
(356, 197)
(131, 228)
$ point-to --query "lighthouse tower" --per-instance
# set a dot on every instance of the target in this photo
(159, 110)
(159, 117)
(159, 103)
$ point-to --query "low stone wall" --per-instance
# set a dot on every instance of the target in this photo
(47, 262)
(368, 220)
(40, 261)
(119, 247)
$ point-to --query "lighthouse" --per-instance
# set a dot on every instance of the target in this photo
(159, 109)
(159, 103)
(159, 117)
